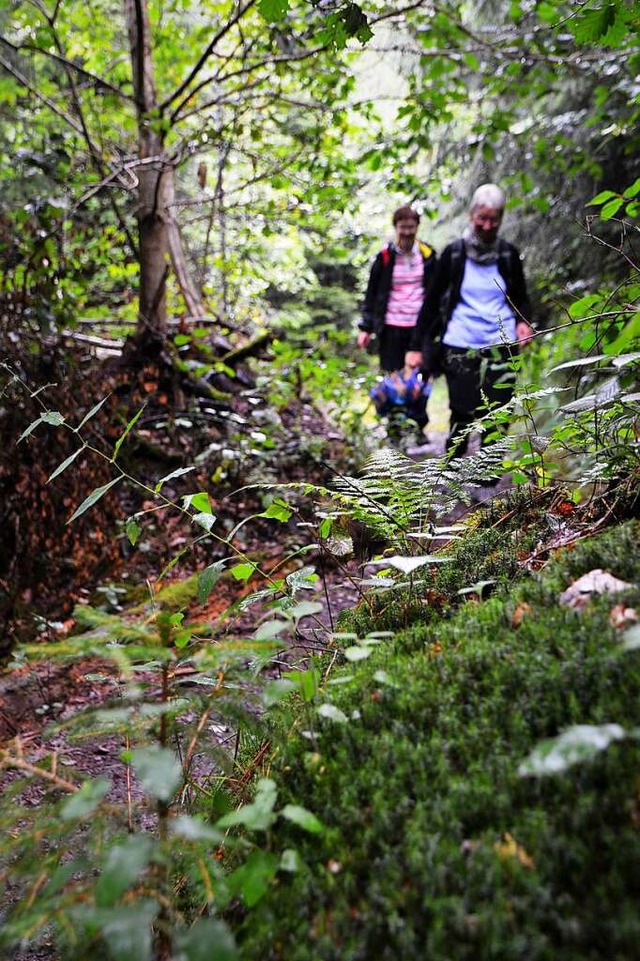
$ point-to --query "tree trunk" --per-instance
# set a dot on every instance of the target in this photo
(154, 180)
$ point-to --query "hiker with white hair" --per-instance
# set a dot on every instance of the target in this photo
(474, 318)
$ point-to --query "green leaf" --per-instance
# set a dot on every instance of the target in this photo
(93, 498)
(194, 829)
(257, 816)
(205, 520)
(580, 308)
(158, 771)
(208, 579)
(123, 867)
(92, 412)
(273, 10)
(577, 744)
(303, 818)
(611, 208)
(199, 502)
(174, 473)
(206, 940)
(126, 929)
(30, 429)
(333, 713)
(127, 431)
(633, 190)
(242, 572)
(276, 690)
(253, 878)
(306, 681)
(52, 417)
(65, 463)
(601, 198)
(132, 530)
(85, 802)
(357, 653)
(278, 510)
(290, 861)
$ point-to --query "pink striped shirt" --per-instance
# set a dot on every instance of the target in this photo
(407, 290)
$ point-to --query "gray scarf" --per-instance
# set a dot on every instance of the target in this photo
(477, 250)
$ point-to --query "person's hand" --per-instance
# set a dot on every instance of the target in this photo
(364, 338)
(524, 332)
(413, 359)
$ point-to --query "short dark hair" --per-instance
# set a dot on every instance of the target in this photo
(403, 213)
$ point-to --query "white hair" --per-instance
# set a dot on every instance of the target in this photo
(488, 195)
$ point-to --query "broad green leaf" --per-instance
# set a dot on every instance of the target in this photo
(577, 744)
(85, 802)
(208, 939)
(124, 864)
(611, 208)
(251, 881)
(633, 190)
(601, 198)
(93, 498)
(278, 510)
(290, 861)
(304, 609)
(134, 420)
(357, 653)
(127, 929)
(133, 530)
(194, 829)
(65, 463)
(208, 579)
(52, 417)
(174, 473)
(273, 10)
(271, 629)
(332, 713)
(204, 520)
(580, 308)
(199, 502)
(303, 818)
(275, 690)
(158, 771)
(306, 681)
(258, 815)
(242, 572)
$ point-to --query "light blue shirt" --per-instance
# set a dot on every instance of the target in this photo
(482, 317)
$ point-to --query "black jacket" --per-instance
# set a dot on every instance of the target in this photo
(379, 287)
(443, 292)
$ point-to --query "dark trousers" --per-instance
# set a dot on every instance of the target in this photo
(477, 381)
(394, 343)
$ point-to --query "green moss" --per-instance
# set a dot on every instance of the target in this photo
(421, 788)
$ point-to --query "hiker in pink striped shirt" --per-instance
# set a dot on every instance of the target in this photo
(395, 294)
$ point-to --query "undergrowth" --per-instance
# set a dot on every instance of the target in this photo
(435, 846)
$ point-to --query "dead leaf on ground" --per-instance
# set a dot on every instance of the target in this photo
(595, 582)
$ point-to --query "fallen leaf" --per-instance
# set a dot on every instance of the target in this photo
(595, 582)
(509, 848)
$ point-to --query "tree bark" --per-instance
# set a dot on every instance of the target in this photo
(154, 179)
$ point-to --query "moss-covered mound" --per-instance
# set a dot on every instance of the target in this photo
(435, 846)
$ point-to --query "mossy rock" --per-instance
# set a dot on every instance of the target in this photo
(435, 847)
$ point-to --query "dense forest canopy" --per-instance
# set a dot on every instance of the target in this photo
(200, 135)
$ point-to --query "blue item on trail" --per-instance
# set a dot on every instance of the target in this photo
(401, 389)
